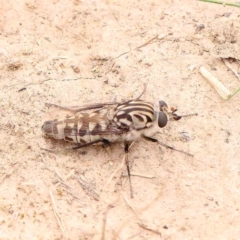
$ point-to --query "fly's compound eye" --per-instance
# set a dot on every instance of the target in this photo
(162, 104)
(162, 119)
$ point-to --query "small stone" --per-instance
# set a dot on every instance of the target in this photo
(227, 14)
(76, 69)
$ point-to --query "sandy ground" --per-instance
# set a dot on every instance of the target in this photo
(74, 52)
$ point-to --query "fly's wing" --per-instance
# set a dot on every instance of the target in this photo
(55, 111)
(59, 112)
(85, 107)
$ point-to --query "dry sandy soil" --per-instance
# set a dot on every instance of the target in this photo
(74, 52)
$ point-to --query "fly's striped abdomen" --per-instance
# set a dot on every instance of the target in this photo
(134, 115)
(81, 128)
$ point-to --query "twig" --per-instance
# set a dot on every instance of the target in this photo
(48, 150)
(119, 168)
(68, 189)
(63, 183)
(234, 93)
(22, 89)
(138, 175)
(58, 174)
(149, 229)
(128, 203)
(52, 79)
(87, 187)
(110, 69)
(44, 163)
(61, 80)
(220, 88)
(114, 173)
(129, 219)
(230, 67)
(71, 173)
(7, 175)
(144, 90)
(220, 2)
(123, 54)
(151, 40)
(105, 221)
(134, 235)
(57, 215)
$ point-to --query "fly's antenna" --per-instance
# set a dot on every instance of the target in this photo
(178, 117)
(189, 115)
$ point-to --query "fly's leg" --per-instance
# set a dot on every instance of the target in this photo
(106, 146)
(165, 145)
(150, 139)
(90, 143)
(126, 149)
(105, 143)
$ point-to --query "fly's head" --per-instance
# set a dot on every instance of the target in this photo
(163, 114)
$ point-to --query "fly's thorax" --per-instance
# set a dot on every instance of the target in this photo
(133, 115)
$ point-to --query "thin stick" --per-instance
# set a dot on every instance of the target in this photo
(230, 67)
(119, 168)
(146, 43)
(114, 173)
(144, 90)
(105, 221)
(139, 175)
(134, 235)
(130, 218)
(149, 229)
(60, 223)
(48, 150)
(87, 187)
(220, 2)
(71, 173)
(44, 163)
(234, 93)
(58, 174)
(7, 175)
(151, 40)
(128, 203)
(69, 189)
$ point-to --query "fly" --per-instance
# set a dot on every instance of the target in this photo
(111, 122)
